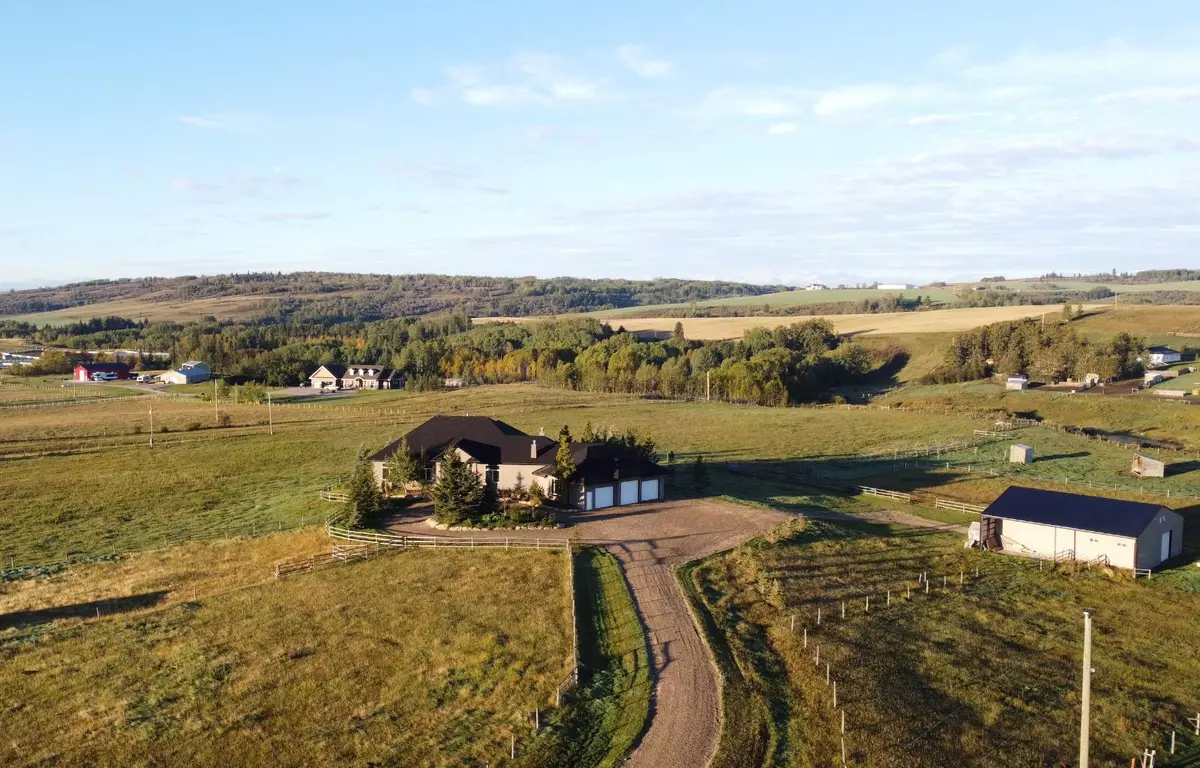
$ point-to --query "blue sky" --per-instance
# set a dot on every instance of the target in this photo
(758, 141)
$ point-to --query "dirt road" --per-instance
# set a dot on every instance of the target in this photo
(650, 541)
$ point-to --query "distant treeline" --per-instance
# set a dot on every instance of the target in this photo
(897, 303)
(1001, 296)
(1050, 352)
(1134, 278)
(333, 297)
(786, 365)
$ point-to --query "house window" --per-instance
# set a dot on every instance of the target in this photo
(492, 474)
(428, 472)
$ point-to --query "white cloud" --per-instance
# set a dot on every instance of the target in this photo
(755, 102)
(938, 119)
(1114, 59)
(859, 102)
(227, 123)
(540, 78)
(781, 128)
(228, 190)
(1160, 94)
(422, 96)
(444, 176)
(638, 60)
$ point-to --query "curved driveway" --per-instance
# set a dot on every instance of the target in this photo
(651, 540)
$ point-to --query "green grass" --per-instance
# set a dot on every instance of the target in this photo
(418, 658)
(982, 675)
(1077, 285)
(788, 299)
(1187, 382)
(608, 715)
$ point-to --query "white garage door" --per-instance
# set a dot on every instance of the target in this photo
(629, 492)
(650, 489)
(602, 497)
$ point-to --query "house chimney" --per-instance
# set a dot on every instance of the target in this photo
(533, 449)
(542, 431)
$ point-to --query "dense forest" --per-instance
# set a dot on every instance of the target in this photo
(1049, 352)
(1134, 278)
(887, 303)
(333, 297)
(1002, 296)
(791, 364)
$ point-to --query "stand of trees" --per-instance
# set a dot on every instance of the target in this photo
(1048, 352)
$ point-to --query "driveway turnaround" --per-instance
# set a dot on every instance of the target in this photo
(651, 540)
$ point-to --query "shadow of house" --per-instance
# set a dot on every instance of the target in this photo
(89, 610)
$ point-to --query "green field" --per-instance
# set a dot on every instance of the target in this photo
(418, 658)
(1118, 288)
(982, 674)
(790, 299)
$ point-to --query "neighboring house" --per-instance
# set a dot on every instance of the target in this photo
(1056, 525)
(606, 475)
(895, 286)
(88, 371)
(1156, 356)
(816, 287)
(191, 372)
(357, 376)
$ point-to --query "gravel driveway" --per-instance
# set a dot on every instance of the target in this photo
(651, 540)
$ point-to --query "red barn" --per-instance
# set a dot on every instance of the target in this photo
(88, 371)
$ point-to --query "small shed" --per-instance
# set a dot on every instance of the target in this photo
(1144, 466)
(1070, 526)
(1020, 454)
(1017, 383)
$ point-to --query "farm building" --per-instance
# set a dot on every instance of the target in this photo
(1160, 355)
(1058, 526)
(1020, 454)
(606, 475)
(1144, 466)
(1017, 383)
(816, 287)
(191, 372)
(88, 371)
(895, 286)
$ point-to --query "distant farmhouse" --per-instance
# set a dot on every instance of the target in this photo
(191, 372)
(895, 286)
(101, 371)
(1069, 526)
(1159, 355)
(816, 287)
(357, 376)
(606, 474)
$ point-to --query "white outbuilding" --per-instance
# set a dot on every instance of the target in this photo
(1069, 526)
(1017, 383)
(1020, 454)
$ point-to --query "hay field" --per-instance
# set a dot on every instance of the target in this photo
(1118, 288)
(414, 658)
(932, 321)
(788, 299)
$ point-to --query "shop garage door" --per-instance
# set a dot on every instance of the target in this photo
(629, 492)
(602, 497)
(650, 489)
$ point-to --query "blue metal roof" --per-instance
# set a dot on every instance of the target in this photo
(1073, 510)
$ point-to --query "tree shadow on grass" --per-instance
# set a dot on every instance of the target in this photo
(89, 610)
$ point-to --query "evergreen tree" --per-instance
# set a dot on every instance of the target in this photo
(459, 494)
(564, 460)
(402, 468)
(700, 475)
(677, 337)
(364, 499)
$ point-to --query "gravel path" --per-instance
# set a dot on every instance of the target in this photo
(651, 540)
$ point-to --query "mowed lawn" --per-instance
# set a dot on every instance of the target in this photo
(102, 488)
(414, 658)
(986, 673)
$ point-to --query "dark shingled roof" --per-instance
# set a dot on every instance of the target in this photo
(599, 463)
(487, 440)
(103, 367)
(1072, 510)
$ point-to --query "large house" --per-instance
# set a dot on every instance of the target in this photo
(356, 376)
(1159, 355)
(101, 371)
(1069, 526)
(606, 474)
(191, 372)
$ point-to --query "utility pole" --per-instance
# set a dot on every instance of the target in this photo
(1085, 714)
(151, 425)
(216, 414)
(708, 386)
(270, 419)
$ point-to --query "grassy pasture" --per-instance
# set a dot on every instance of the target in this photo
(151, 307)
(417, 658)
(790, 299)
(1080, 285)
(982, 675)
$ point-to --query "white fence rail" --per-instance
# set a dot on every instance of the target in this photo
(442, 542)
(960, 506)
(884, 493)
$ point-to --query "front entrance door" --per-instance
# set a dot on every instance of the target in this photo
(1166, 546)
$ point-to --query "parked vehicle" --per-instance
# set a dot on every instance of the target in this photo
(102, 376)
